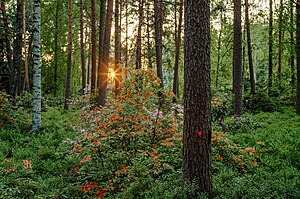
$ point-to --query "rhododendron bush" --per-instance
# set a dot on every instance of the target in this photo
(131, 137)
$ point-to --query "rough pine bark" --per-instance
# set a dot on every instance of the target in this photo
(249, 45)
(37, 93)
(117, 67)
(56, 31)
(292, 41)
(106, 48)
(148, 36)
(237, 59)
(158, 38)
(94, 50)
(177, 53)
(82, 49)
(298, 55)
(101, 39)
(197, 107)
(270, 78)
(27, 86)
(280, 35)
(138, 63)
(69, 62)
(8, 48)
(17, 60)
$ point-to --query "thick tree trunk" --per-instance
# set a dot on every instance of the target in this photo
(117, 67)
(270, 78)
(126, 37)
(82, 50)
(138, 63)
(280, 34)
(158, 38)
(94, 50)
(197, 119)
(106, 48)
(292, 41)
(17, 61)
(148, 37)
(8, 48)
(237, 59)
(68, 80)
(37, 94)
(177, 53)
(56, 46)
(101, 38)
(251, 69)
(298, 55)
(27, 86)
(158, 44)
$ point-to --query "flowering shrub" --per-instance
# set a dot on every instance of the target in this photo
(6, 106)
(221, 108)
(131, 137)
(244, 159)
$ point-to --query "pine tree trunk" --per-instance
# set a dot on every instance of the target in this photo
(270, 78)
(237, 59)
(298, 55)
(158, 43)
(27, 86)
(126, 37)
(37, 94)
(251, 69)
(177, 53)
(292, 41)
(280, 24)
(148, 37)
(219, 50)
(82, 49)
(17, 61)
(56, 46)
(8, 48)
(106, 48)
(158, 38)
(117, 67)
(138, 63)
(69, 62)
(101, 38)
(94, 50)
(197, 108)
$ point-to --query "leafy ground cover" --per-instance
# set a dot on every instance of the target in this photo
(132, 149)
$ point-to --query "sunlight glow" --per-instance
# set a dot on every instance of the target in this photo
(111, 74)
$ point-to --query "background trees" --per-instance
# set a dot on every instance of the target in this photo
(149, 32)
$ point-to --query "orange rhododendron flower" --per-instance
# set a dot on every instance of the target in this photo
(169, 144)
(158, 164)
(158, 123)
(254, 163)
(220, 158)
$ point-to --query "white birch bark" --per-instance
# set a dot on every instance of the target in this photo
(36, 113)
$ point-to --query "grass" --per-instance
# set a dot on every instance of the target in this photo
(50, 174)
(276, 176)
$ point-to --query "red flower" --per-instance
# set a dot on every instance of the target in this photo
(200, 133)
(101, 193)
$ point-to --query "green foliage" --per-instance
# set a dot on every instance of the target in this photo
(260, 101)
(5, 108)
(241, 124)
(221, 108)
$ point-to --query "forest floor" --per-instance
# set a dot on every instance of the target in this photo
(39, 165)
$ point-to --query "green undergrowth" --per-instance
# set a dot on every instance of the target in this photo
(35, 164)
(259, 162)
(278, 170)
